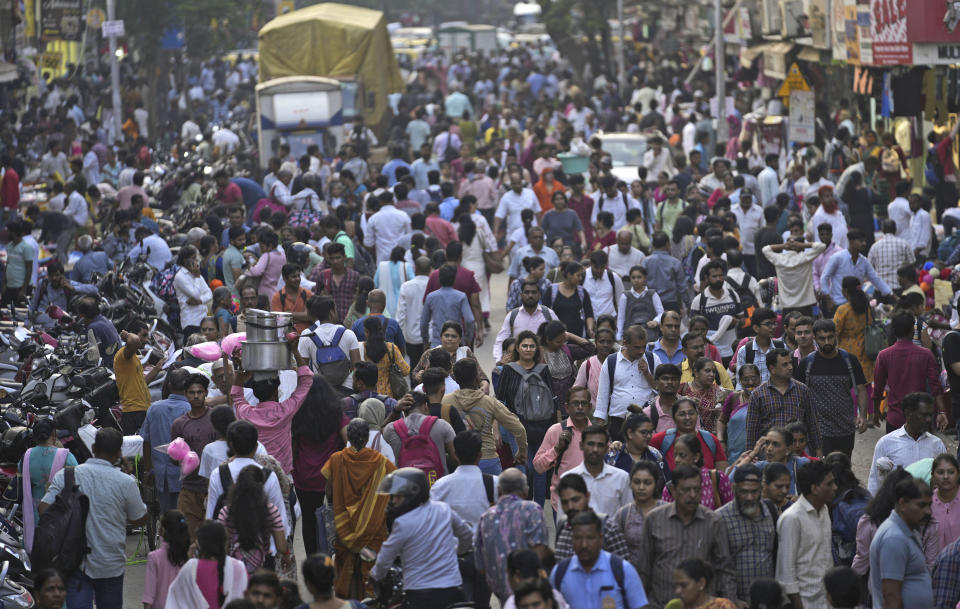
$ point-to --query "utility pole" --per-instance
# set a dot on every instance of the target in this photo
(719, 65)
(115, 76)
(621, 65)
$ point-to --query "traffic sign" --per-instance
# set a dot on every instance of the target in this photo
(793, 82)
(96, 17)
(112, 28)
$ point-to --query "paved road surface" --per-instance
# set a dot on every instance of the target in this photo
(863, 452)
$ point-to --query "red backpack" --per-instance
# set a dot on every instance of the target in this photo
(419, 450)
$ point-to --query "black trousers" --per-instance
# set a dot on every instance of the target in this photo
(310, 501)
(431, 598)
(615, 426)
(130, 422)
(842, 444)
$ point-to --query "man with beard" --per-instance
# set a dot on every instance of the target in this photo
(721, 306)
(898, 573)
(751, 531)
(831, 373)
(574, 499)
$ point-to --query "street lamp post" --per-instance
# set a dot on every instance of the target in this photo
(622, 68)
(721, 77)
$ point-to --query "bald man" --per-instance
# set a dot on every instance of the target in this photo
(376, 304)
(623, 256)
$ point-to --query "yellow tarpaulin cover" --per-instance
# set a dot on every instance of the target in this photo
(333, 40)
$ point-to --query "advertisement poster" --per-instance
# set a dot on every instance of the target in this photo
(865, 31)
(890, 43)
(851, 32)
(802, 126)
(933, 21)
(839, 25)
(61, 20)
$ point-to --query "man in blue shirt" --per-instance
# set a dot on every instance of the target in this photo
(449, 203)
(377, 303)
(161, 471)
(593, 578)
(108, 340)
(848, 263)
(90, 262)
(445, 304)
(898, 573)
(390, 168)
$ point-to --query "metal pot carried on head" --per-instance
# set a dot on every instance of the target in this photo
(266, 346)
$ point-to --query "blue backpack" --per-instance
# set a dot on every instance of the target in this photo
(671, 435)
(332, 363)
(616, 565)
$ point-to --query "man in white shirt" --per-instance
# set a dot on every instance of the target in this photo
(658, 159)
(793, 262)
(769, 182)
(750, 221)
(466, 491)
(511, 204)
(386, 227)
(632, 380)
(623, 256)
(603, 285)
(609, 486)
(909, 443)
(899, 209)
(280, 189)
(409, 306)
(77, 208)
(243, 442)
(154, 247)
(611, 200)
(193, 295)
(91, 164)
(920, 225)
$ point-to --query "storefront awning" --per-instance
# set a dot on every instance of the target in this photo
(749, 55)
(8, 72)
(775, 59)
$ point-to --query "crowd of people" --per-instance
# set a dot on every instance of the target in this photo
(681, 387)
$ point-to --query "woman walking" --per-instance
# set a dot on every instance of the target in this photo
(251, 520)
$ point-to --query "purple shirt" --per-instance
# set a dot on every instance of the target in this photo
(821, 262)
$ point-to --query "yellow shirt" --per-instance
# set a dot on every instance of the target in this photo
(131, 383)
(686, 374)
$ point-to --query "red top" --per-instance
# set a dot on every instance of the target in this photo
(311, 457)
(441, 229)
(904, 368)
(230, 194)
(709, 458)
(945, 156)
(10, 189)
(465, 282)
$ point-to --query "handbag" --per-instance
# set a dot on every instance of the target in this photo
(398, 380)
(874, 338)
(493, 262)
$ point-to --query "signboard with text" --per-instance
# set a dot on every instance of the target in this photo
(61, 20)
(802, 125)
(113, 28)
(891, 45)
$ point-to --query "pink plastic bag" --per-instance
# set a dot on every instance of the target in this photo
(208, 351)
(232, 342)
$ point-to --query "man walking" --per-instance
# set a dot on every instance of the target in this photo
(909, 443)
(831, 374)
(197, 429)
(898, 569)
(626, 379)
(804, 530)
(665, 274)
(779, 401)
(751, 530)
(444, 305)
(155, 431)
(528, 316)
(114, 503)
(409, 306)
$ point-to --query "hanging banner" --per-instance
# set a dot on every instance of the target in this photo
(61, 20)
(889, 31)
(865, 32)
(802, 126)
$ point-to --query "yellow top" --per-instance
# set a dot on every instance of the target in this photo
(686, 374)
(131, 383)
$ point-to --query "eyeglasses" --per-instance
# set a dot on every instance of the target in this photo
(645, 432)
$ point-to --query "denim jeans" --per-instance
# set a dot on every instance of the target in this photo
(490, 466)
(82, 590)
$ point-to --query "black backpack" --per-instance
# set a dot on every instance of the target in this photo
(747, 299)
(60, 539)
(226, 483)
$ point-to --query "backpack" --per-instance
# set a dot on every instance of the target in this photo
(750, 353)
(671, 435)
(419, 450)
(612, 371)
(845, 514)
(838, 161)
(363, 262)
(60, 539)
(846, 360)
(616, 565)
(162, 284)
(744, 293)
(332, 363)
(535, 401)
(226, 483)
(547, 315)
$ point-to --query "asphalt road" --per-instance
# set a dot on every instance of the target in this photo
(134, 581)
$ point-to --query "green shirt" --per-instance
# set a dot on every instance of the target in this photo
(231, 258)
(667, 215)
(18, 256)
(347, 242)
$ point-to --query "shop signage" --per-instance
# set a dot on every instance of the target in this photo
(61, 20)
(934, 53)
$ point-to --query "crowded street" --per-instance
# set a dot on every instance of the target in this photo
(515, 305)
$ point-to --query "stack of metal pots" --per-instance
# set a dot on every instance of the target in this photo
(266, 346)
